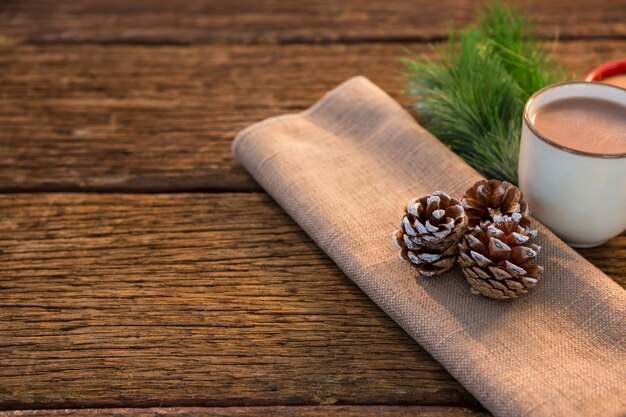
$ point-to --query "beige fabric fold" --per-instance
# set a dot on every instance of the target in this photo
(344, 170)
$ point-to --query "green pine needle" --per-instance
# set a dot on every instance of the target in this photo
(473, 95)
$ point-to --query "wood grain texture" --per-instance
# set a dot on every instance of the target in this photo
(114, 300)
(280, 21)
(137, 118)
(610, 258)
(204, 304)
(306, 411)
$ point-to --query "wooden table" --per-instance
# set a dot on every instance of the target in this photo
(143, 271)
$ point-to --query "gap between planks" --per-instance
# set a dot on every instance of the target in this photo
(258, 411)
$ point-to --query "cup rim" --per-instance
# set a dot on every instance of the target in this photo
(533, 129)
(608, 69)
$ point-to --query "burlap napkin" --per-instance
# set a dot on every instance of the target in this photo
(344, 170)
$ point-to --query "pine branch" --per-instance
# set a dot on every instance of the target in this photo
(473, 95)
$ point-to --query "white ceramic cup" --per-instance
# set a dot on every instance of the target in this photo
(580, 196)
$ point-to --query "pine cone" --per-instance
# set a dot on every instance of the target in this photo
(498, 260)
(430, 230)
(489, 198)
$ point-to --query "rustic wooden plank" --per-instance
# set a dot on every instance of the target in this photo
(298, 411)
(192, 299)
(280, 21)
(137, 118)
(122, 300)
(117, 300)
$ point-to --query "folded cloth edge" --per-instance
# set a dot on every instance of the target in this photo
(246, 132)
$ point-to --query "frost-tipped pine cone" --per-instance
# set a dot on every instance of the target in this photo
(497, 258)
(490, 198)
(431, 227)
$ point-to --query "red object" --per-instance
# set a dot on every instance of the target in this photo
(607, 70)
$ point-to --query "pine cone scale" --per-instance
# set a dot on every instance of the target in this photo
(495, 253)
(493, 198)
(429, 232)
(497, 260)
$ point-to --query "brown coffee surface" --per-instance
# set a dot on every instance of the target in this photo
(585, 124)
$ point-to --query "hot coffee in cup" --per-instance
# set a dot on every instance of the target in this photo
(572, 165)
